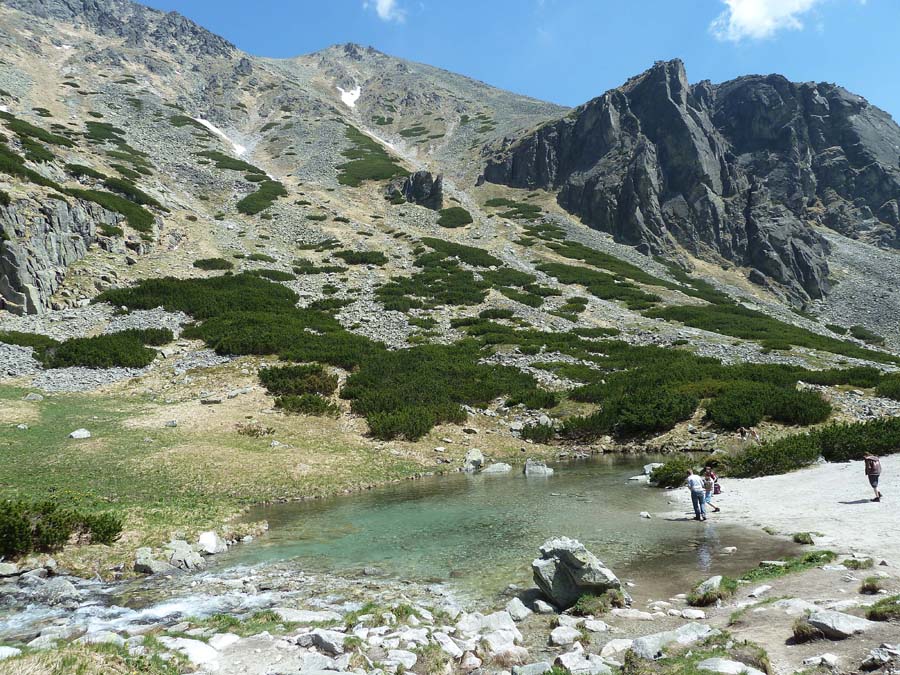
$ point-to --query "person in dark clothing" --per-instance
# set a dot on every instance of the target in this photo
(873, 471)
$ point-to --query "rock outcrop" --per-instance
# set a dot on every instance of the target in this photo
(420, 188)
(38, 241)
(737, 171)
(566, 570)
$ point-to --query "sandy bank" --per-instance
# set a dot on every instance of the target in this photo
(832, 499)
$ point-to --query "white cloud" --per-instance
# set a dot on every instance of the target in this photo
(759, 19)
(387, 10)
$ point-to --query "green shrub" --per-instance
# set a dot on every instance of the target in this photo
(307, 404)
(673, 473)
(265, 195)
(534, 398)
(726, 589)
(368, 161)
(518, 210)
(104, 528)
(223, 161)
(889, 387)
(131, 192)
(596, 605)
(272, 275)
(213, 264)
(261, 257)
(859, 563)
(494, 313)
(748, 324)
(136, 216)
(539, 433)
(362, 257)
(781, 456)
(600, 284)
(476, 257)
(871, 585)
(745, 404)
(47, 526)
(454, 216)
(15, 529)
(864, 334)
(125, 349)
(886, 609)
(127, 172)
(297, 380)
(40, 343)
(36, 152)
(13, 165)
(26, 129)
(804, 631)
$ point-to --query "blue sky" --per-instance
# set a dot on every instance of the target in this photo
(569, 51)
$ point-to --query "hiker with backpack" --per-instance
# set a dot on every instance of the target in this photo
(873, 471)
(710, 487)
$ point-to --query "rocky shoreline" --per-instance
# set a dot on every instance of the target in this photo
(275, 618)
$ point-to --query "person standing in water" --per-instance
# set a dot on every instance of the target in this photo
(698, 495)
(873, 472)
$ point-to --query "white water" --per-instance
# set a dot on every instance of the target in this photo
(350, 97)
(238, 148)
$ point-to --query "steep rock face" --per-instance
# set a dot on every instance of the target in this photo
(420, 188)
(736, 171)
(38, 243)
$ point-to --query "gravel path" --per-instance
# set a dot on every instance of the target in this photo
(832, 499)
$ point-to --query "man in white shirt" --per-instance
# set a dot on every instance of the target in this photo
(698, 495)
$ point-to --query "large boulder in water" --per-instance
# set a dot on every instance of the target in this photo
(566, 570)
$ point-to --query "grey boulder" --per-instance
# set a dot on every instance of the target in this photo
(534, 468)
(145, 563)
(652, 646)
(566, 570)
(839, 626)
(728, 667)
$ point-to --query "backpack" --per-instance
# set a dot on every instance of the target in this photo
(873, 466)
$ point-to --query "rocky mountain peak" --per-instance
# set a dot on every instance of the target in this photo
(737, 171)
(137, 24)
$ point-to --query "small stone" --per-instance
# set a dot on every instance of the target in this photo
(645, 514)
(172, 424)
(760, 591)
(693, 614)
(541, 607)
(33, 397)
(829, 660)
(615, 647)
(564, 635)
(517, 610)
(8, 652)
(80, 434)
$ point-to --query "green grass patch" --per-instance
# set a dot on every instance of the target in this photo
(886, 609)
(26, 129)
(791, 566)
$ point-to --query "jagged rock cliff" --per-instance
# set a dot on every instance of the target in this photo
(740, 170)
(37, 244)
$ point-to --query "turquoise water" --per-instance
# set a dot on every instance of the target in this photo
(481, 532)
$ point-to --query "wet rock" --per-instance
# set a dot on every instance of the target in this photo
(211, 543)
(56, 591)
(839, 626)
(497, 467)
(305, 616)
(566, 570)
(728, 667)
(104, 637)
(534, 468)
(183, 556)
(651, 646)
(473, 461)
(145, 563)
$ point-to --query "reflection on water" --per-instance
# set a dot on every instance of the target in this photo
(483, 531)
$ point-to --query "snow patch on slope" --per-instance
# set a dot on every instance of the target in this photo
(238, 148)
(350, 97)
